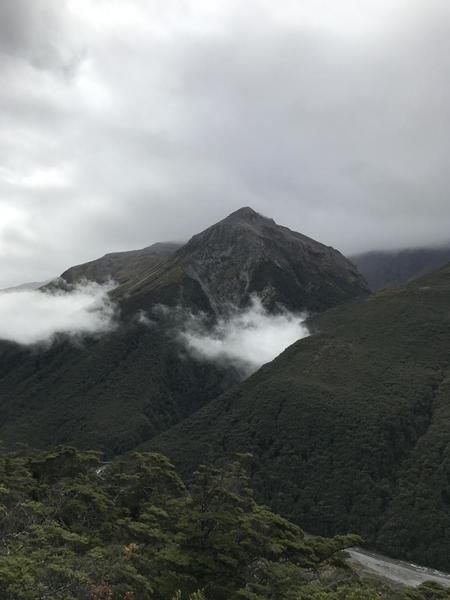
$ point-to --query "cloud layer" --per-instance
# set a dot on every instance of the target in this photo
(30, 316)
(125, 122)
(246, 339)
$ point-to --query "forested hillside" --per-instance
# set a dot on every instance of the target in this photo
(110, 392)
(350, 428)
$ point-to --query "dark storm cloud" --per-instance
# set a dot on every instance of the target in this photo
(126, 122)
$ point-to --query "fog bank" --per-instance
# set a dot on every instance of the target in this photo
(33, 316)
(247, 339)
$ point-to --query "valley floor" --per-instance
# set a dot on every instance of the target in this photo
(397, 571)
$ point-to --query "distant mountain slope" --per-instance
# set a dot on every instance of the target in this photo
(349, 428)
(121, 266)
(25, 287)
(120, 389)
(391, 269)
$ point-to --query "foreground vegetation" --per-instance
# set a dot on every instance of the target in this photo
(72, 528)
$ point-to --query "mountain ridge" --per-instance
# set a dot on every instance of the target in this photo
(120, 266)
(243, 254)
(117, 390)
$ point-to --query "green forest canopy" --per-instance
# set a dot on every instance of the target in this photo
(74, 528)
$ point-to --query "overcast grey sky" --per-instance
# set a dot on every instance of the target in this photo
(126, 122)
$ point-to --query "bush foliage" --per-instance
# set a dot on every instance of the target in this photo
(74, 528)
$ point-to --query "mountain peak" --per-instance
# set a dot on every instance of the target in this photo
(247, 253)
(247, 215)
(246, 212)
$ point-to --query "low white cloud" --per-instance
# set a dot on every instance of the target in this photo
(247, 339)
(34, 316)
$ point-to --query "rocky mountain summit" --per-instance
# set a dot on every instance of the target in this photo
(244, 254)
(247, 253)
